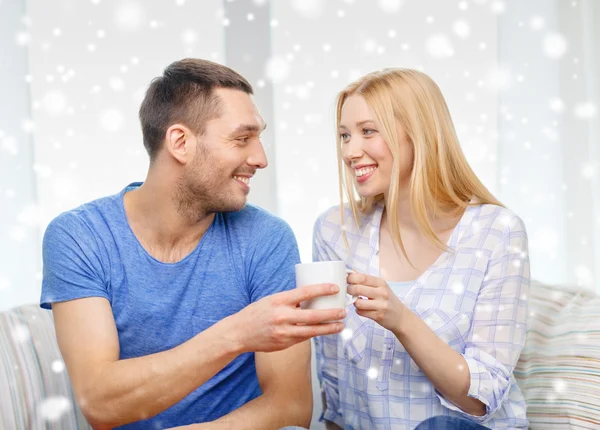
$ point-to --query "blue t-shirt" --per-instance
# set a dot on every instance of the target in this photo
(244, 256)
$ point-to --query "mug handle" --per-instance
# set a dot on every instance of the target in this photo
(354, 298)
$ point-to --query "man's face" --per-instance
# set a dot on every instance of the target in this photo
(228, 154)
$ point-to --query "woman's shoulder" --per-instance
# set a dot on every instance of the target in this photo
(496, 217)
(341, 217)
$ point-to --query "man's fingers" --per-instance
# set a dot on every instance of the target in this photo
(308, 292)
(316, 316)
(309, 331)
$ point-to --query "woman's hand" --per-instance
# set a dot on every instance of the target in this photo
(381, 304)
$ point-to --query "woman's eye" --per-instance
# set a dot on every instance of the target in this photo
(344, 136)
(368, 131)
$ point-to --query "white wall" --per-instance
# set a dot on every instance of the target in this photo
(88, 64)
(549, 148)
(319, 47)
(19, 236)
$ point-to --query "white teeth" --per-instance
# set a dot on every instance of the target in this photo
(243, 179)
(365, 170)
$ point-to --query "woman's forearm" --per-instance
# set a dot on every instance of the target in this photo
(444, 367)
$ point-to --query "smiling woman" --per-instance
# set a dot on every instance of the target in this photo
(440, 265)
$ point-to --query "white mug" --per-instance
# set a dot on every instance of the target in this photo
(324, 272)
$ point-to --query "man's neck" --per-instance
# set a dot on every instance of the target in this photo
(159, 224)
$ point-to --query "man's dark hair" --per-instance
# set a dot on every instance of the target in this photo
(185, 94)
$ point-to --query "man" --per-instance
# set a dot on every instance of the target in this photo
(170, 298)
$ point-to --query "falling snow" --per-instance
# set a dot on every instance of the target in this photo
(53, 408)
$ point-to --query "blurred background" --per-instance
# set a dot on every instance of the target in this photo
(520, 79)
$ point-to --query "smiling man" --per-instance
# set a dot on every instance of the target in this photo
(174, 300)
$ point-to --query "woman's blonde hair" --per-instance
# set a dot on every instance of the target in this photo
(441, 181)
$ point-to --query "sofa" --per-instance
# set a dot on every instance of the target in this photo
(559, 369)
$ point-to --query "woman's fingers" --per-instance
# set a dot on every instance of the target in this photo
(367, 305)
(364, 291)
(368, 280)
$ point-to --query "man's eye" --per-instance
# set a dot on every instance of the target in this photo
(243, 139)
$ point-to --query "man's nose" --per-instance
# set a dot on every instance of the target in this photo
(258, 157)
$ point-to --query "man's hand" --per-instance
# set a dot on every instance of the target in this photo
(276, 322)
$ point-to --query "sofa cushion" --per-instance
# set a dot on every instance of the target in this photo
(35, 392)
(559, 368)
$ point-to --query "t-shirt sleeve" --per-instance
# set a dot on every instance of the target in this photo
(72, 266)
(271, 267)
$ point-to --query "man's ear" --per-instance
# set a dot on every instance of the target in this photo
(180, 143)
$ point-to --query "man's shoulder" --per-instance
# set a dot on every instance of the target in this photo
(84, 219)
(256, 219)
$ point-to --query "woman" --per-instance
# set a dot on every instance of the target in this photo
(441, 266)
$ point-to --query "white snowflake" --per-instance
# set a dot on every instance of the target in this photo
(5, 284)
(372, 373)
(22, 38)
(20, 333)
(589, 170)
(499, 79)
(536, 23)
(559, 385)
(555, 45)
(390, 6)
(308, 8)
(462, 29)
(116, 83)
(277, 69)
(584, 276)
(54, 102)
(31, 215)
(585, 110)
(111, 120)
(189, 36)
(557, 105)
(498, 6)
(10, 145)
(458, 288)
(53, 408)
(439, 46)
(129, 16)
(58, 366)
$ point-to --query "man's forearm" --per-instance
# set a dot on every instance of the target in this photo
(264, 412)
(129, 390)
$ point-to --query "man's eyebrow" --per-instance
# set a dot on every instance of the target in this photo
(248, 128)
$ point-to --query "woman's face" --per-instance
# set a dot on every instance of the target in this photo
(366, 153)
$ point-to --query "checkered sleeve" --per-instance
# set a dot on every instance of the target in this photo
(326, 346)
(498, 328)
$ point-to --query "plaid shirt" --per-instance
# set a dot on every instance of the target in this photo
(474, 299)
